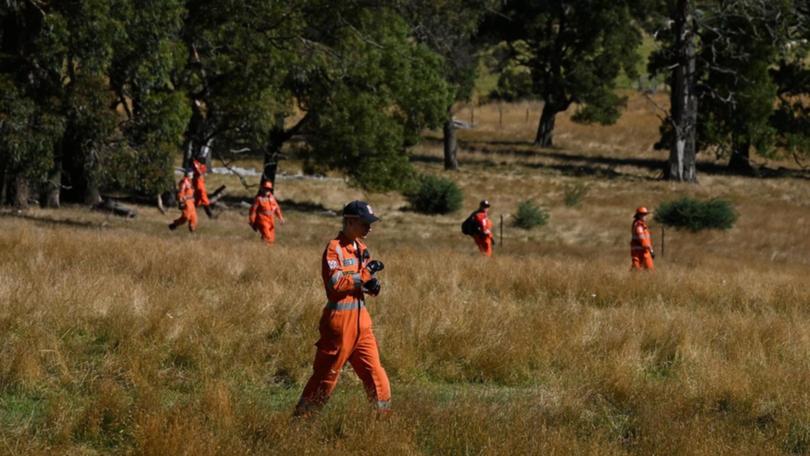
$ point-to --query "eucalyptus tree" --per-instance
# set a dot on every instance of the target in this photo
(578, 50)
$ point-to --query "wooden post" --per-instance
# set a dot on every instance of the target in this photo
(527, 114)
(472, 115)
(501, 243)
(663, 240)
(500, 116)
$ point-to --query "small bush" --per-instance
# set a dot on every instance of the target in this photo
(435, 195)
(696, 215)
(529, 215)
(574, 194)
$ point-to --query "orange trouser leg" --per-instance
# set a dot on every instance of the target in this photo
(268, 234)
(642, 261)
(365, 361)
(338, 334)
(484, 244)
(326, 370)
(189, 215)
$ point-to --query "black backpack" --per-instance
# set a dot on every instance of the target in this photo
(470, 226)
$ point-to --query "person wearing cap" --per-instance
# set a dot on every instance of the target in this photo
(185, 201)
(264, 208)
(200, 193)
(483, 238)
(641, 250)
(345, 327)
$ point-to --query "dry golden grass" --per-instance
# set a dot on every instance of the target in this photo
(119, 336)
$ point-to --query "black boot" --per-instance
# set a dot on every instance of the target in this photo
(172, 226)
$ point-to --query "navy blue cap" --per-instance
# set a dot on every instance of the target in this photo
(483, 203)
(360, 209)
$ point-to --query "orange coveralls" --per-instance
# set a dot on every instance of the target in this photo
(200, 194)
(641, 246)
(185, 196)
(261, 216)
(484, 239)
(345, 329)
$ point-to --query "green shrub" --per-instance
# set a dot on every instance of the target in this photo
(529, 215)
(575, 193)
(696, 215)
(435, 195)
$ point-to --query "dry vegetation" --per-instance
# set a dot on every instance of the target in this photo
(119, 336)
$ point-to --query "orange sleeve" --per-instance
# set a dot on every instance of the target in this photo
(333, 276)
(253, 207)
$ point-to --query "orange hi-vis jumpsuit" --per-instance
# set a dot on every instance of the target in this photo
(345, 329)
(185, 196)
(484, 238)
(200, 194)
(641, 246)
(261, 216)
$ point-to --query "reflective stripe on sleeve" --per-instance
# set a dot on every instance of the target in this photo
(339, 252)
(334, 279)
(358, 281)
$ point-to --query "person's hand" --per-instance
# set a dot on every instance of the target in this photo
(375, 266)
(181, 205)
(372, 287)
(652, 253)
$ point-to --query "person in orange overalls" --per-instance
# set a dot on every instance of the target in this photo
(484, 239)
(262, 211)
(200, 193)
(185, 201)
(345, 327)
(641, 250)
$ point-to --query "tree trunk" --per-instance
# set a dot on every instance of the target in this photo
(54, 184)
(53, 188)
(740, 161)
(450, 145)
(545, 130)
(682, 156)
(92, 194)
(22, 192)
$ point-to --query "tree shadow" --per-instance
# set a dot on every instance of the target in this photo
(48, 221)
(286, 205)
(590, 168)
(706, 167)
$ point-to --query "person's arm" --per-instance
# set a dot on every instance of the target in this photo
(252, 216)
(277, 210)
(334, 277)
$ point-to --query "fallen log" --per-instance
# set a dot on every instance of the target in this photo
(217, 194)
(116, 208)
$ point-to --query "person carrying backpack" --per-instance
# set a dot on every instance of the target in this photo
(479, 226)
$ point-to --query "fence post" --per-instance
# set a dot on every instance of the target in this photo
(663, 240)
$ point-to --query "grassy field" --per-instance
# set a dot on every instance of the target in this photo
(119, 336)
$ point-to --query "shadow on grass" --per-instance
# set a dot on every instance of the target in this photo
(588, 162)
(286, 205)
(49, 221)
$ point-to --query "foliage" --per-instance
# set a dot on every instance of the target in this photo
(28, 132)
(529, 215)
(390, 88)
(435, 195)
(575, 193)
(696, 215)
(578, 49)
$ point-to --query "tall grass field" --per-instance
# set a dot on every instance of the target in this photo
(118, 336)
